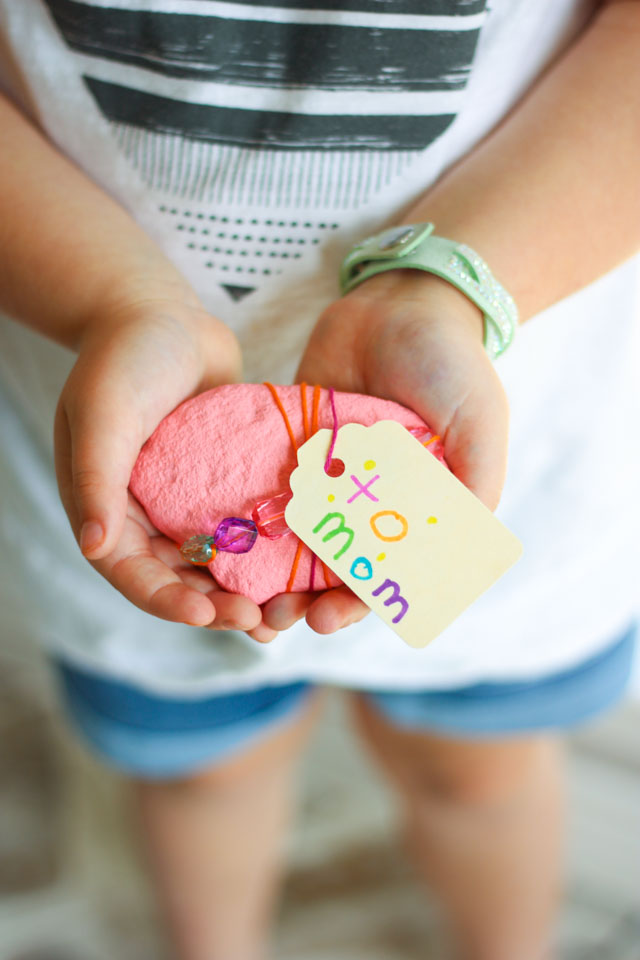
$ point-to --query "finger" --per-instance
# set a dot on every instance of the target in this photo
(452, 384)
(133, 568)
(475, 443)
(263, 634)
(97, 445)
(62, 453)
(145, 580)
(195, 577)
(234, 612)
(136, 511)
(173, 600)
(335, 609)
(283, 611)
(153, 587)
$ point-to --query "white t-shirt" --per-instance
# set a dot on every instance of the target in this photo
(256, 143)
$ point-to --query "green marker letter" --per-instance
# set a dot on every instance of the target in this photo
(341, 528)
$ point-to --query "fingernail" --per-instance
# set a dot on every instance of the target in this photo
(91, 536)
(231, 625)
(263, 634)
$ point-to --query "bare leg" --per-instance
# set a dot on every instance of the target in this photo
(484, 823)
(214, 844)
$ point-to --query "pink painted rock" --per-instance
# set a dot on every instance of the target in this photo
(220, 453)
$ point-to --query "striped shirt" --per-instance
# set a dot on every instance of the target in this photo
(260, 109)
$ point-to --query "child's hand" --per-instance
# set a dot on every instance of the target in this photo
(136, 363)
(410, 337)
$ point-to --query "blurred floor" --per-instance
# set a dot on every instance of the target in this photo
(72, 888)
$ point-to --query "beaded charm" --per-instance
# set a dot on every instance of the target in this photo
(233, 535)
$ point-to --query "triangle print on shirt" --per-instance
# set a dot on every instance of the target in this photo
(259, 126)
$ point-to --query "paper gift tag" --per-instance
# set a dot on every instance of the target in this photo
(397, 527)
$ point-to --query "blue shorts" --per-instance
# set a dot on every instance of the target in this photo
(155, 737)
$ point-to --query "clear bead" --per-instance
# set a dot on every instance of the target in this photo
(269, 516)
(199, 549)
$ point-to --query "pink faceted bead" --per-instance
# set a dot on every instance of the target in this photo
(269, 516)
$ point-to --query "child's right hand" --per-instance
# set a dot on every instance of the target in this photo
(136, 363)
(411, 337)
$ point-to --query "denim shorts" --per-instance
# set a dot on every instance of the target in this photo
(156, 737)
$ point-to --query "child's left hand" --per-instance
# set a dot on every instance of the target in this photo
(411, 337)
(135, 363)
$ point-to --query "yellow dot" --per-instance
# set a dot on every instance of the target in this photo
(381, 556)
(369, 464)
(432, 519)
(331, 498)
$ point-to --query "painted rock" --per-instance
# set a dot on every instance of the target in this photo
(227, 455)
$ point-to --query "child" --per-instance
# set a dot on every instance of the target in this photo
(221, 159)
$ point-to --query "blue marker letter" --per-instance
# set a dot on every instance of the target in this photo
(361, 562)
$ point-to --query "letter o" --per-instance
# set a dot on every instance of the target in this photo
(357, 564)
(389, 513)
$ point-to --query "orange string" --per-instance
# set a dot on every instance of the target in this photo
(432, 440)
(294, 568)
(305, 414)
(314, 427)
(316, 404)
(282, 410)
(307, 433)
(317, 390)
(287, 423)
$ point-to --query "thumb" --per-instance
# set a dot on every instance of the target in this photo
(96, 447)
(476, 443)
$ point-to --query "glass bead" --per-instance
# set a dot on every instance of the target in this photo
(199, 549)
(235, 535)
(269, 516)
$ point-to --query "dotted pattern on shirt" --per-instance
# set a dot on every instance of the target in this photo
(245, 249)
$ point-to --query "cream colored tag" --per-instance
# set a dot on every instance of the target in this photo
(397, 527)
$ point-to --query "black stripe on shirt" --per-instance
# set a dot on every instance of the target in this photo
(265, 128)
(424, 8)
(264, 53)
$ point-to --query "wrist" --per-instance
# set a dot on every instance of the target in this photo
(167, 328)
(134, 295)
(417, 287)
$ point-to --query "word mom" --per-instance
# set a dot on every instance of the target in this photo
(361, 567)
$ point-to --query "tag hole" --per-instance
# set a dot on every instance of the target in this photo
(336, 468)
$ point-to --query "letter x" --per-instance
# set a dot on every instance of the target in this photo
(364, 488)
